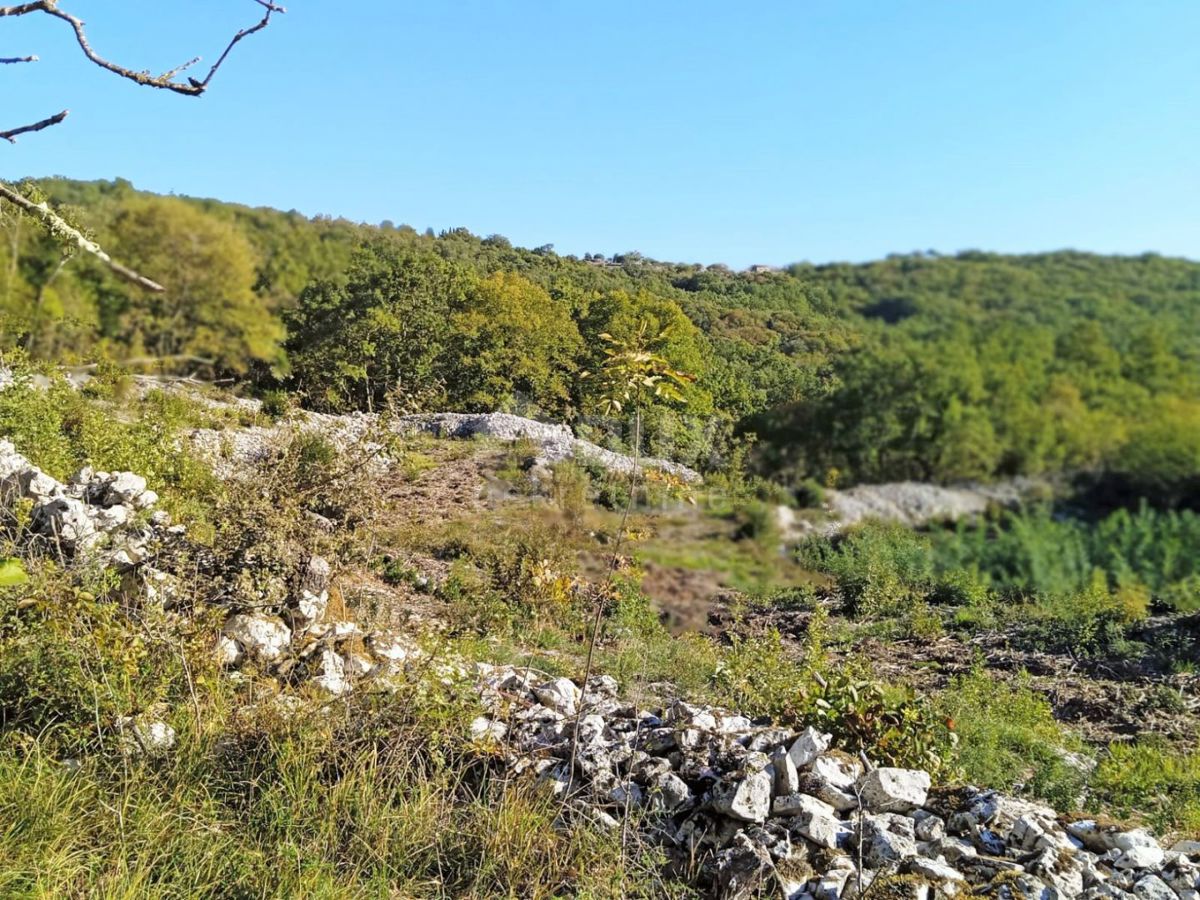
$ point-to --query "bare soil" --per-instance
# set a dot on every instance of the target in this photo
(1104, 699)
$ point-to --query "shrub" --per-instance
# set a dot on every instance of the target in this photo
(757, 522)
(879, 567)
(810, 494)
(892, 726)
(1088, 622)
(73, 661)
(519, 457)
(276, 404)
(569, 488)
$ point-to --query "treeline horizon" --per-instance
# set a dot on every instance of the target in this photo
(921, 366)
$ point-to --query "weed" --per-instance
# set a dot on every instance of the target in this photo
(1153, 780)
(1008, 738)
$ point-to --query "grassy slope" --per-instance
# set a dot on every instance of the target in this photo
(387, 795)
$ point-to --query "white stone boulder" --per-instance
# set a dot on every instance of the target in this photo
(560, 694)
(145, 736)
(331, 675)
(808, 746)
(67, 522)
(1139, 850)
(261, 637)
(228, 652)
(747, 799)
(894, 790)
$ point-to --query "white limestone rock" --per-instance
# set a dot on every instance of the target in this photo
(894, 790)
(747, 799)
(561, 694)
(263, 638)
(807, 746)
(1151, 887)
(1139, 850)
(228, 652)
(331, 675)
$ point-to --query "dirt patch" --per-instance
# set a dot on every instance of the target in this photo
(1104, 699)
(684, 597)
(456, 484)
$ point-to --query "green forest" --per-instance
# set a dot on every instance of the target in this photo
(975, 366)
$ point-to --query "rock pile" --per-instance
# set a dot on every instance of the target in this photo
(107, 520)
(96, 513)
(782, 813)
(911, 503)
(555, 442)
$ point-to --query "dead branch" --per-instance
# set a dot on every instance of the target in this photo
(192, 87)
(56, 225)
(11, 134)
(61, 229)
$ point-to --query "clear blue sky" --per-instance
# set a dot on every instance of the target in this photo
(690, 130)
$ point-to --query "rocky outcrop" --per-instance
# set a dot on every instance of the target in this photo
(555, 442)
(911, 503)
(230, 449)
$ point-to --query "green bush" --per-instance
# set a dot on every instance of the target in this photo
(1035, 551)
(73, 661)
(756, 521)
(893, 726)
(570, 489)
(1086, 622)
(810, 494)
(879, 567)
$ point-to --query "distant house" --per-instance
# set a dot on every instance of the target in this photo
(762, 270)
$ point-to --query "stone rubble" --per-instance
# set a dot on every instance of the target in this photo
(93, 515)
(762, 804)
(108, 520)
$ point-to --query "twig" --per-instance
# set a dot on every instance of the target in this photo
(59, 228)
(614, 562)
(190, 88)
(244, 33)
(11, 134)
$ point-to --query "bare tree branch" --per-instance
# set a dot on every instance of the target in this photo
(55, 224)
(64, 231)
(245, 32)
(11, 134)
(166, 81)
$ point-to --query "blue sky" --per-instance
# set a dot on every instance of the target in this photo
(695, 131)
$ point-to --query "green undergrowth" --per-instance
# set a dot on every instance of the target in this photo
(375, 798)
(1009, 739)
(1063, 602)
(1153, 781)
(110, 428)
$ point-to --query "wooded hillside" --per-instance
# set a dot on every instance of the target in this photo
(918, 366)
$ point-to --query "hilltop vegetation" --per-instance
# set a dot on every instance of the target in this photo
(974, 366)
